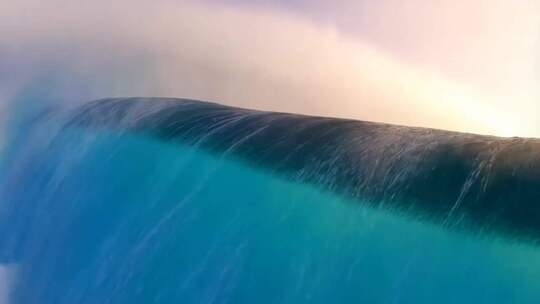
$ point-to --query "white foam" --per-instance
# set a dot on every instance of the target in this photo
(7, 272)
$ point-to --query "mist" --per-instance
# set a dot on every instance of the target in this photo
(262, 58)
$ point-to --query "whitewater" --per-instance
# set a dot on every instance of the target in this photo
(162, 200)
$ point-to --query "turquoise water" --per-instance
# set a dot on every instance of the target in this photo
(114, 218)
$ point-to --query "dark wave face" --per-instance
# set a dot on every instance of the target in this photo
(478, 183)
(155, 200)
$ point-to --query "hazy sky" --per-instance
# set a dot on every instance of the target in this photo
(466, 65)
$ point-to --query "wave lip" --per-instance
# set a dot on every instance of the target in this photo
(463, 181)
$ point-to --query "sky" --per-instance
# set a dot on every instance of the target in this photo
(463, 65)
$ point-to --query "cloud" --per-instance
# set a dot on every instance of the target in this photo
(493, 44)
(252, 57)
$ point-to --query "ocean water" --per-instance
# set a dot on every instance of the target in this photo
(105, 216)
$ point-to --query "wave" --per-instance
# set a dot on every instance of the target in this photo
(463, 181)
(156, 200)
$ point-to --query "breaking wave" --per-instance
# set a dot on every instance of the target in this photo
(154, 200)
